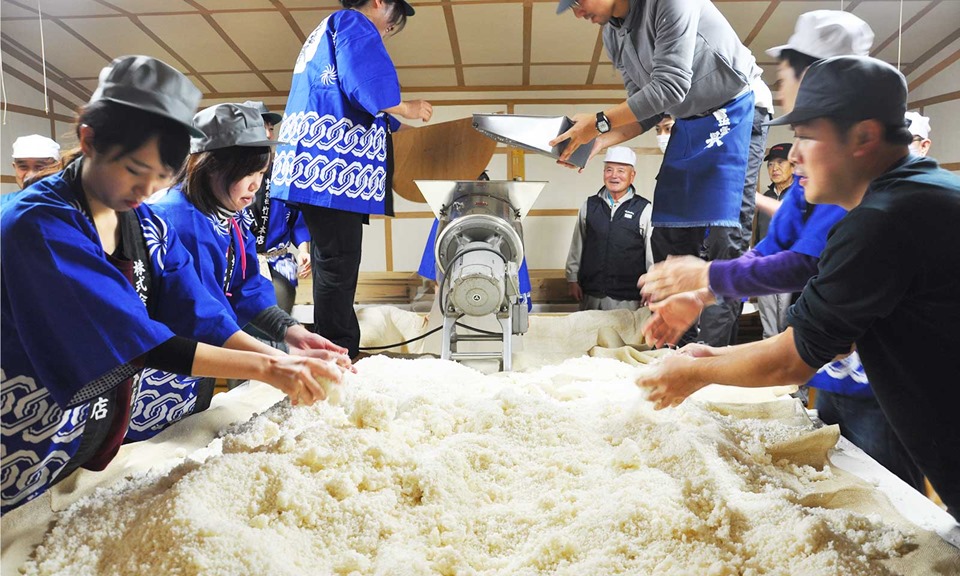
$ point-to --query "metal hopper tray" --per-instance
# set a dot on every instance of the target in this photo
(532, 133)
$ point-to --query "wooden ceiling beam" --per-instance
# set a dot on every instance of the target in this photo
(454, 40)
(595, 60)
(939, 99)
(135, 20)
(33, 60)
(32, 82)
(761, 22)
(933, 71)
(285, 12)
(229, 42)
(906, 26)
(936, 49)
(527, 40)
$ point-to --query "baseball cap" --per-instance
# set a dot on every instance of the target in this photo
(148, 84)
(919, 125)
(778, 151)
(35, 146)
(268, 116)
(225, 125)
(828, 33)
(621, 155)
(564, 5)
(838, 88)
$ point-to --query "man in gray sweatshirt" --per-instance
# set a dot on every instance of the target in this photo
(681, 57)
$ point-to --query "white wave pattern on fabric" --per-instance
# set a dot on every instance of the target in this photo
(153, 409)
(39, 422)
(428, 467)
(849, 367)
(311, 170)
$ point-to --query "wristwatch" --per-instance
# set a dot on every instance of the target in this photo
(603, 123)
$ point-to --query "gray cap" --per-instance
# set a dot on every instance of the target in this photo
(265, 113)
(148, 84)
(849, 88)
(564, 5)
(225, 125)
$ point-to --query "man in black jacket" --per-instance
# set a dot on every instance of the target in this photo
(611, 248)
(888, 278)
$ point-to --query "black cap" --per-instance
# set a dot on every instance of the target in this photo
(849, 88)
(265, 113)
(778, 151)
(407, 8)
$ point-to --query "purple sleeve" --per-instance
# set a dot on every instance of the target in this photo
(756, 275)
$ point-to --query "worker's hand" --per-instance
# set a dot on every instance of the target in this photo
(671, 319)
(584, 129)
(670, 381)
(303, 264)
(416, 110)
(299, 377)
(575, 290)
(674, 275)
(299, 337)
(697, 350)
(341, 360)
(597, 148)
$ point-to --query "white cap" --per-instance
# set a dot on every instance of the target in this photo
(35, 146)
(919, 125)
(621, 155)
(828, 33)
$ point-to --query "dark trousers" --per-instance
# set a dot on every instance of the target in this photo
(285, 291)
(335, 239)
(862, 422)
(718, 323)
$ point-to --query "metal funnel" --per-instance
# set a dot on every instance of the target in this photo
(442, 193)
(532, 133)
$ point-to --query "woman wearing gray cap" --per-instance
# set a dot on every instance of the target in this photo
(335, 158)
(96, 287)
(207, 207)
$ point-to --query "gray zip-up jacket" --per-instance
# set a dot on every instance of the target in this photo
(679, 57)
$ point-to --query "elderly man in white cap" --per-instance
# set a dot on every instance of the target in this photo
(33, 154)
(610, 248)
(920, 129)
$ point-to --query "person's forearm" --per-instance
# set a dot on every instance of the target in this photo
(755, 275)
(619, 134)
(213, 362)
(241, 341)
(770, 362)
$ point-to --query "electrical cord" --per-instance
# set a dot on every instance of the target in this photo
(440, 291)
(425, 334)
(420, 337)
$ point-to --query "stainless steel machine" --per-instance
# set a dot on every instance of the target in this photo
(479, 249)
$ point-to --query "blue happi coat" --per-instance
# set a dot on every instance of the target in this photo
(275, 225)
(802, 227)
(165, 398)
(333, 139)
(72, 327)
